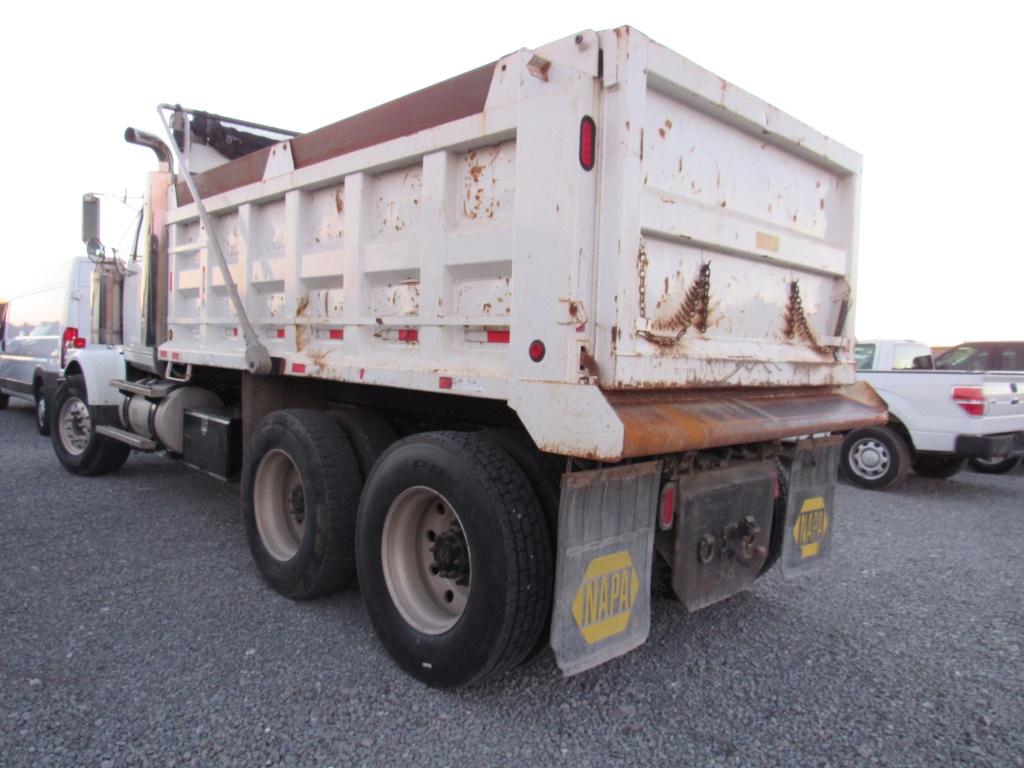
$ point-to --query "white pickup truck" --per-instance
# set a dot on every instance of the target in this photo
(937, 419)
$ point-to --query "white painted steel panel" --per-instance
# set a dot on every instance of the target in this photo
(432, 260)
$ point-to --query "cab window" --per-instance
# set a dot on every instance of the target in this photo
(907, 357)
(963, 358)
(864, 354)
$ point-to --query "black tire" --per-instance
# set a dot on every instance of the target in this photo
(80, 450)
(510, 570)
(42, 413)
(891, 450)
(994, 466)
(4, 401)
(544, 473)
(368, 433)
(776, 540)
(542, 470)
(327, 471)
(939, 467)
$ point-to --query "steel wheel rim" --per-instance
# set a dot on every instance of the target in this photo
(993, 461)
(75, 426)
(279, 500)
(870, 459)
(422, 531)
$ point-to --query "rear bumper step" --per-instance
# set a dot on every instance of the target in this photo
(657, 423)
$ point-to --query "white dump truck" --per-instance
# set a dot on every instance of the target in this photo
(504, 347)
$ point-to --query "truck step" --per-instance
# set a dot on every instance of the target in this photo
(152, 388)
(138, 442)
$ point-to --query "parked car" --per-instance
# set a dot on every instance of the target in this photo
(937, 418)
(983, 356)
(40, 326)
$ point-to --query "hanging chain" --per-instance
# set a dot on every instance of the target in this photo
(693, 310)
(796, 320)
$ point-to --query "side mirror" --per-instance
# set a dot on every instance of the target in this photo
(91, 227)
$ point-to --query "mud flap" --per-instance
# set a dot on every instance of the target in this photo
(606, 522)
(810, 512)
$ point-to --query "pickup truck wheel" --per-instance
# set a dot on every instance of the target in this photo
(42, 414)
(454, 558)
(73, 433)
(996, 466)
(938, 466)
(875, 457)
(300, 492)
(4, 401)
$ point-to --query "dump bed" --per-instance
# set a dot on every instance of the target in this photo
(635, 254)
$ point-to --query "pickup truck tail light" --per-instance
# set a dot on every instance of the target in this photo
(70, 339)
(971, 399)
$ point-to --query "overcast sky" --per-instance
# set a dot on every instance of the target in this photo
(930, 96)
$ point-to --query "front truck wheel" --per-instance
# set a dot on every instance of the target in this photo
(454, 558)
(300, 492)
(875, 457)
(73, 433)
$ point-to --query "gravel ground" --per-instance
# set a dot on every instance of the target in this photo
(134, 630)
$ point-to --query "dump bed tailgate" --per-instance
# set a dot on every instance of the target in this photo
(728, 259)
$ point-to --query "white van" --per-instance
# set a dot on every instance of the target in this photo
(39, 328)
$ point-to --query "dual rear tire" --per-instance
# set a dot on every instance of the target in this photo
(448, 537)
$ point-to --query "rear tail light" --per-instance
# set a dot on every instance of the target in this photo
(70, 338)
(588, 142)
(408, 334)
(971, 399)
(667, 510)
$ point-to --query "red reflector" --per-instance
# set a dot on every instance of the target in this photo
(175, 355)
(70, 334)
(170, 282)
(537, 350)
(337, 333)
(280, 333)
(971, 399)
(163, 354)
(588, 142)
(408, 334)
(234, 331)
(78, 343)
(667, 513)
(445, 382)
(298, 367)
(497, 337)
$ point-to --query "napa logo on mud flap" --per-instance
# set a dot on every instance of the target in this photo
(811, 526)
(606, 597)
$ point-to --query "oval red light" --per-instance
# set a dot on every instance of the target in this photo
(537, 350)
(588, 142)
(667, 513)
